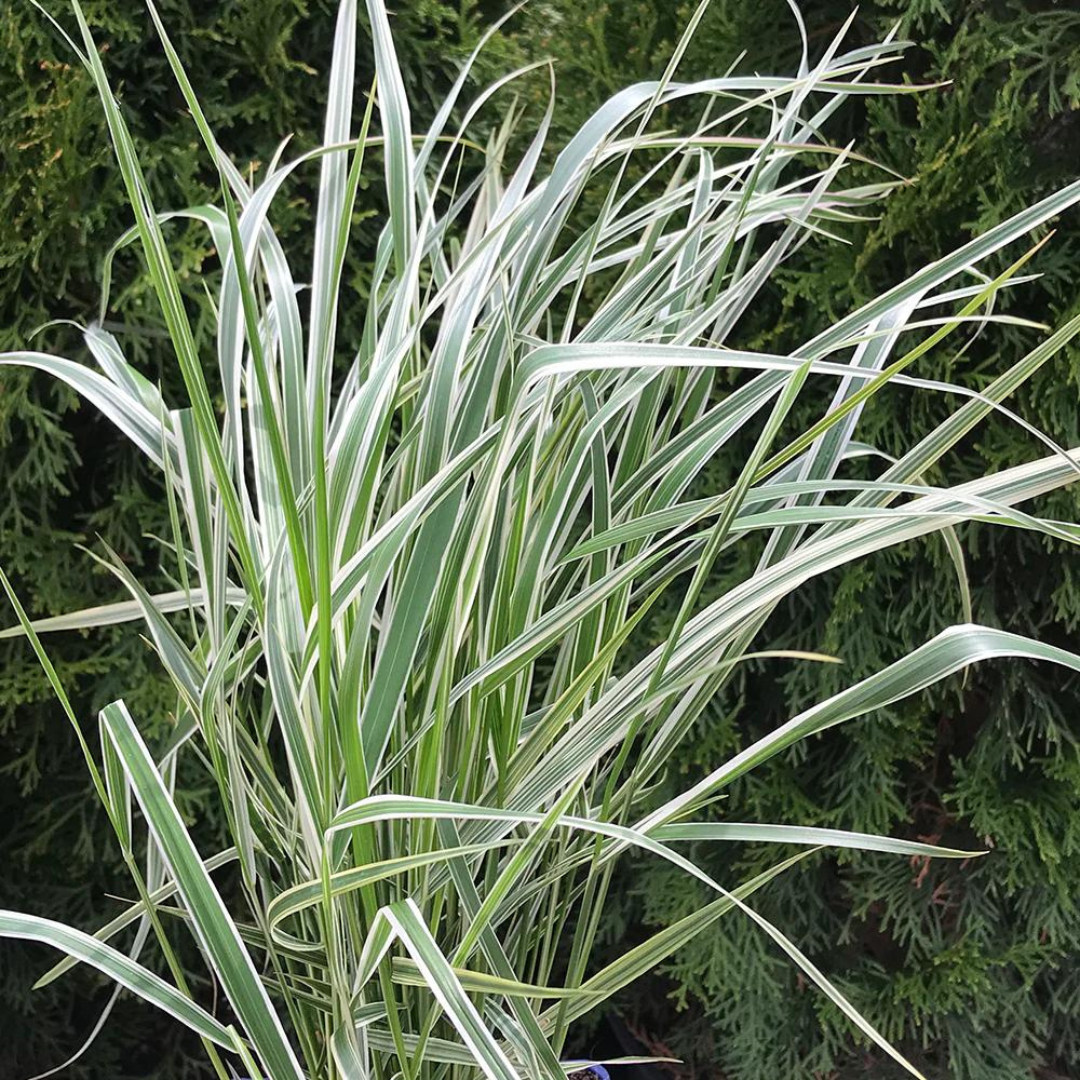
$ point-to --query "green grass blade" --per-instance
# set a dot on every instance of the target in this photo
(210, 920)
(118, 967)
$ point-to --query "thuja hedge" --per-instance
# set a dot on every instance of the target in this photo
(981, 960)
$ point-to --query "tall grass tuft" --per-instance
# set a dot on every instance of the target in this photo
(410, 569)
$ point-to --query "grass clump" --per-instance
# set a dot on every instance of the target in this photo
(409, 568)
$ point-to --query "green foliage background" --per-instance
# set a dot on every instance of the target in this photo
(975, 969)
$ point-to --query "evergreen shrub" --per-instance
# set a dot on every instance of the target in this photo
(991, 758)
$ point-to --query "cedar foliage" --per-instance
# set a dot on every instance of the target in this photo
(991, 758)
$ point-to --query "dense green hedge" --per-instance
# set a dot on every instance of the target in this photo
(978, 962)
